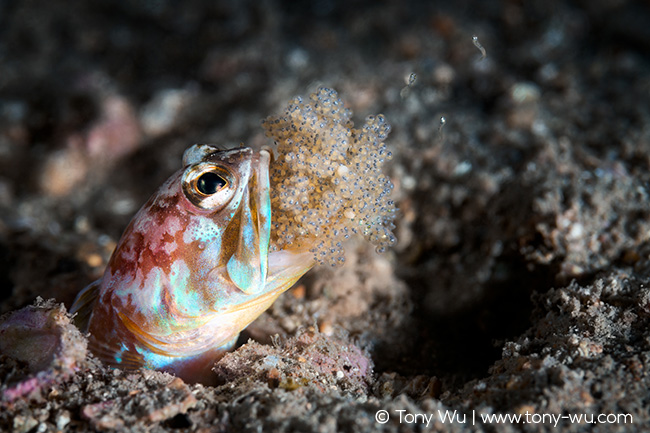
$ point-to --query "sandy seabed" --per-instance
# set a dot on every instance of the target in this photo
(519, 284)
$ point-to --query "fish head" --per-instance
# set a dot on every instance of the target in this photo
(193, 267)
(204, 235)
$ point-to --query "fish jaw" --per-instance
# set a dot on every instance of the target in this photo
(248, 266)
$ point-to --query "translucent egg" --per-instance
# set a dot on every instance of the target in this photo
(327, 180)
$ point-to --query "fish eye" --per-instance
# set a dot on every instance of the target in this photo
(209, 183)
(208, 186)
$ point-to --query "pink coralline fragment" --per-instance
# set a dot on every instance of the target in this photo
(23, 388)
(98, 415)
(42, 337)
(116, 133)
(89, 153)
(348, 358)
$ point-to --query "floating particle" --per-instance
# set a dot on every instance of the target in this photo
(410, 82)
(411, 79)
(478, 45)
(443, 122)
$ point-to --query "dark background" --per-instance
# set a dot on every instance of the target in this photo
(519, 279)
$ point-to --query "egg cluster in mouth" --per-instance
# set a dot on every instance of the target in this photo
(326, 178)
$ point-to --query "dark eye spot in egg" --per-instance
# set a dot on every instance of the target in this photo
(209, 183)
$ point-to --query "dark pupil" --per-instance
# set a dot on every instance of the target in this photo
(209, 183)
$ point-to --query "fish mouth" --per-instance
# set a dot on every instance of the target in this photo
(248, 265)
(215, 330)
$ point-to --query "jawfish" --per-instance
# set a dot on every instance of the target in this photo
(192, 269)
